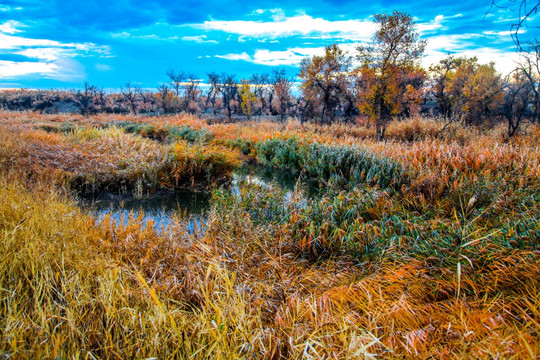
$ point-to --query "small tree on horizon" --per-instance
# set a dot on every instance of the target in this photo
(130, 96)
(247, 98)
(229, 92)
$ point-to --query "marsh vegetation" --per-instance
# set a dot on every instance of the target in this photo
(424, 245)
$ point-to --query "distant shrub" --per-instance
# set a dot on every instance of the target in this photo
(62, 128)
(165, 133)
(189, 134)
(247, 147)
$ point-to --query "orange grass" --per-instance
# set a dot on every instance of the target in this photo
(452, 271)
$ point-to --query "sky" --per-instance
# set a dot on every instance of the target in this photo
(63, 43)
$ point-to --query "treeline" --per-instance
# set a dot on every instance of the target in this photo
(223, 95)
(382, 80)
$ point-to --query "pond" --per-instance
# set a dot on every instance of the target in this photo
(162, 207)
(159, 208)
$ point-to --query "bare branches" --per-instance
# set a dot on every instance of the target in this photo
(282, 88)
(130, 95)
(526, 9)
(176, 80)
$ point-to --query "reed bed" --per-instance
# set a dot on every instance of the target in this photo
(445, 265)
(91, 159)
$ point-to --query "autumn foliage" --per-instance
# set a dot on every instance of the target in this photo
(424, 246)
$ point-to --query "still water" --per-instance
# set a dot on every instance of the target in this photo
(159, 208)
(162, 208)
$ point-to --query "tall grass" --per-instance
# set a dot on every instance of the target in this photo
(344, 166)
(74, 288)
(448, 266)
(165, 133)
(90, 159)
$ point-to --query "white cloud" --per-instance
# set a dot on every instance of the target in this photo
(433, 25)
(281, 26)
(55, 59)
(276, 14)
(242, 56)
(126, 35)
(10, 42)
(48, 54)
(440, 46)
(504, 61)
(199, 39)
(291, 57)
(11, 27)
(6, 8)
(309, 27)
(63, 69)
(12, 68)
(436, 24)
(505, 33)
(68, 70)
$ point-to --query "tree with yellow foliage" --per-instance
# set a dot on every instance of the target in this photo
(466, 89)
(325, 80)
(386, 61)
(247, 98)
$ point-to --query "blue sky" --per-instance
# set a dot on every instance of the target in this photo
(63, 43)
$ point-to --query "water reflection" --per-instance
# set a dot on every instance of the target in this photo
(163, 209)
(286, 180)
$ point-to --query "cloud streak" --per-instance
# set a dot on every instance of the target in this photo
(199, 39)
(55, 59)
(291, 26)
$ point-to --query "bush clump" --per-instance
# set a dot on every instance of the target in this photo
(201, 166)
(343, 166)
(165, 133)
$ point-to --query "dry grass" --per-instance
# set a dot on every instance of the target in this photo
(448, 267)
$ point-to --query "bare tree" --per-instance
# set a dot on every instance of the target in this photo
(517, 97)
(129, 95)
(215, 88)
(305, 107)
(259, 83)
(147, 99)
(168, 101)
(45, 100)
(441, 76)
(229, 91)
(191, 92)
(525, 13)
(176, 80)
(101, 100)
(530, 68)
(85, 100)
(282, 88)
